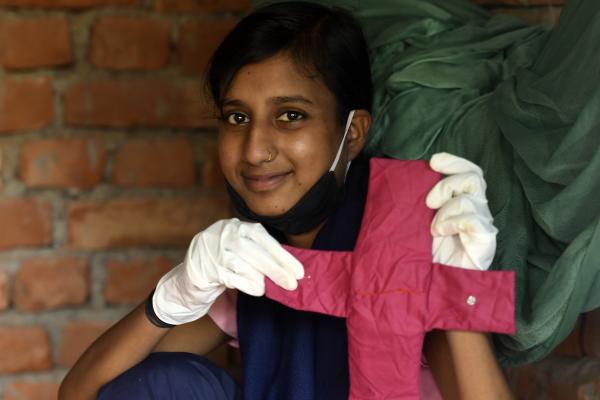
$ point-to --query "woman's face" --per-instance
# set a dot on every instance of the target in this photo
(274, 110)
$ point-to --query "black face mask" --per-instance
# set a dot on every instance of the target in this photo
(312, 209)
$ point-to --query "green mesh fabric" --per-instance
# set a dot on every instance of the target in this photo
(523, 102)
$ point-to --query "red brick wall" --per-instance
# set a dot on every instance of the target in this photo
(107, 169)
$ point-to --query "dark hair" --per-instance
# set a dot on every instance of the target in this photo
(324, 41)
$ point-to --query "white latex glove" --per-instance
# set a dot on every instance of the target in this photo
(228, 254)
(463, 231)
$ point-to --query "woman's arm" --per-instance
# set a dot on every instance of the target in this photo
(464, 366)
(127, 343)
(229, 253)
(463, 363)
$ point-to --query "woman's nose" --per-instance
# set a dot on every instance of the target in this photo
(259, 146)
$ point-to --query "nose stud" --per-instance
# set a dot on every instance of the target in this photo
(270, 157)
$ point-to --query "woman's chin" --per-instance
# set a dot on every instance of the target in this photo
(269, 212)
(264, 209)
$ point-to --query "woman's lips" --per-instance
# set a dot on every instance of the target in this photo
(263, 183)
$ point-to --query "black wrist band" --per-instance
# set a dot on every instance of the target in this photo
(151, 315)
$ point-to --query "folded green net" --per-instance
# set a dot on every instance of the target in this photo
(523, 102)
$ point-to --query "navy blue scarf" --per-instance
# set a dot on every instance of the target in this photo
(295, 355)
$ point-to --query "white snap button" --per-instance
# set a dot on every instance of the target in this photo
(471, 300)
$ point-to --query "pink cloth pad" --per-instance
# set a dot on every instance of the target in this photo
(389, 290)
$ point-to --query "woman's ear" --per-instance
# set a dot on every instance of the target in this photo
(361, 122)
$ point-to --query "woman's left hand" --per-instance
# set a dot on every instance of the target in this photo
(463, 231)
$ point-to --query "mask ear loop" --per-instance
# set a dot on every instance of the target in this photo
(339, 152)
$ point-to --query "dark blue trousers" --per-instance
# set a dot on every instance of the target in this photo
(172, 376)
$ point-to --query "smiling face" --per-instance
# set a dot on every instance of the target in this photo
(279, 134)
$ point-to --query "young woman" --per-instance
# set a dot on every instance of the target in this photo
(292, 86)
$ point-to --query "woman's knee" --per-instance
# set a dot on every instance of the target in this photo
(172, 376)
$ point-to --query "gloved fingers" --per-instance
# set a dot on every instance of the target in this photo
(465, 224)
(479, 248)
(444, 250)
(258, 234)
(473, 256)
(259, 259)
(462, 204)
(454, 185)
(465, 241)
(462, 229)
(177, 300)
(249, 281)
(449, 164)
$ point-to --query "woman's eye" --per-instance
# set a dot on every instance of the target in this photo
(290, 116)
(237, 119)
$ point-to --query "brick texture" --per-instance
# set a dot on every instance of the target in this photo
(25, 222)
(554, 378)
(76, 337)
(571, 346)
(211, 170)
(25, 104)
(538, 15)
(4, 290)
(48, 283)
(198, 40)
(34, 42)
(31, 390)
(187, 6)
(23, 349)
(518, 2)
(133, 103)
(2, 152)
(589, 391)
(591, 333)
(130, 282)
(142, 222)
(68, 4)
(120, 42)
(77, 163)
(165, 163)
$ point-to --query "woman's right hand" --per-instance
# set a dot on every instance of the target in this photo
(228, 254)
